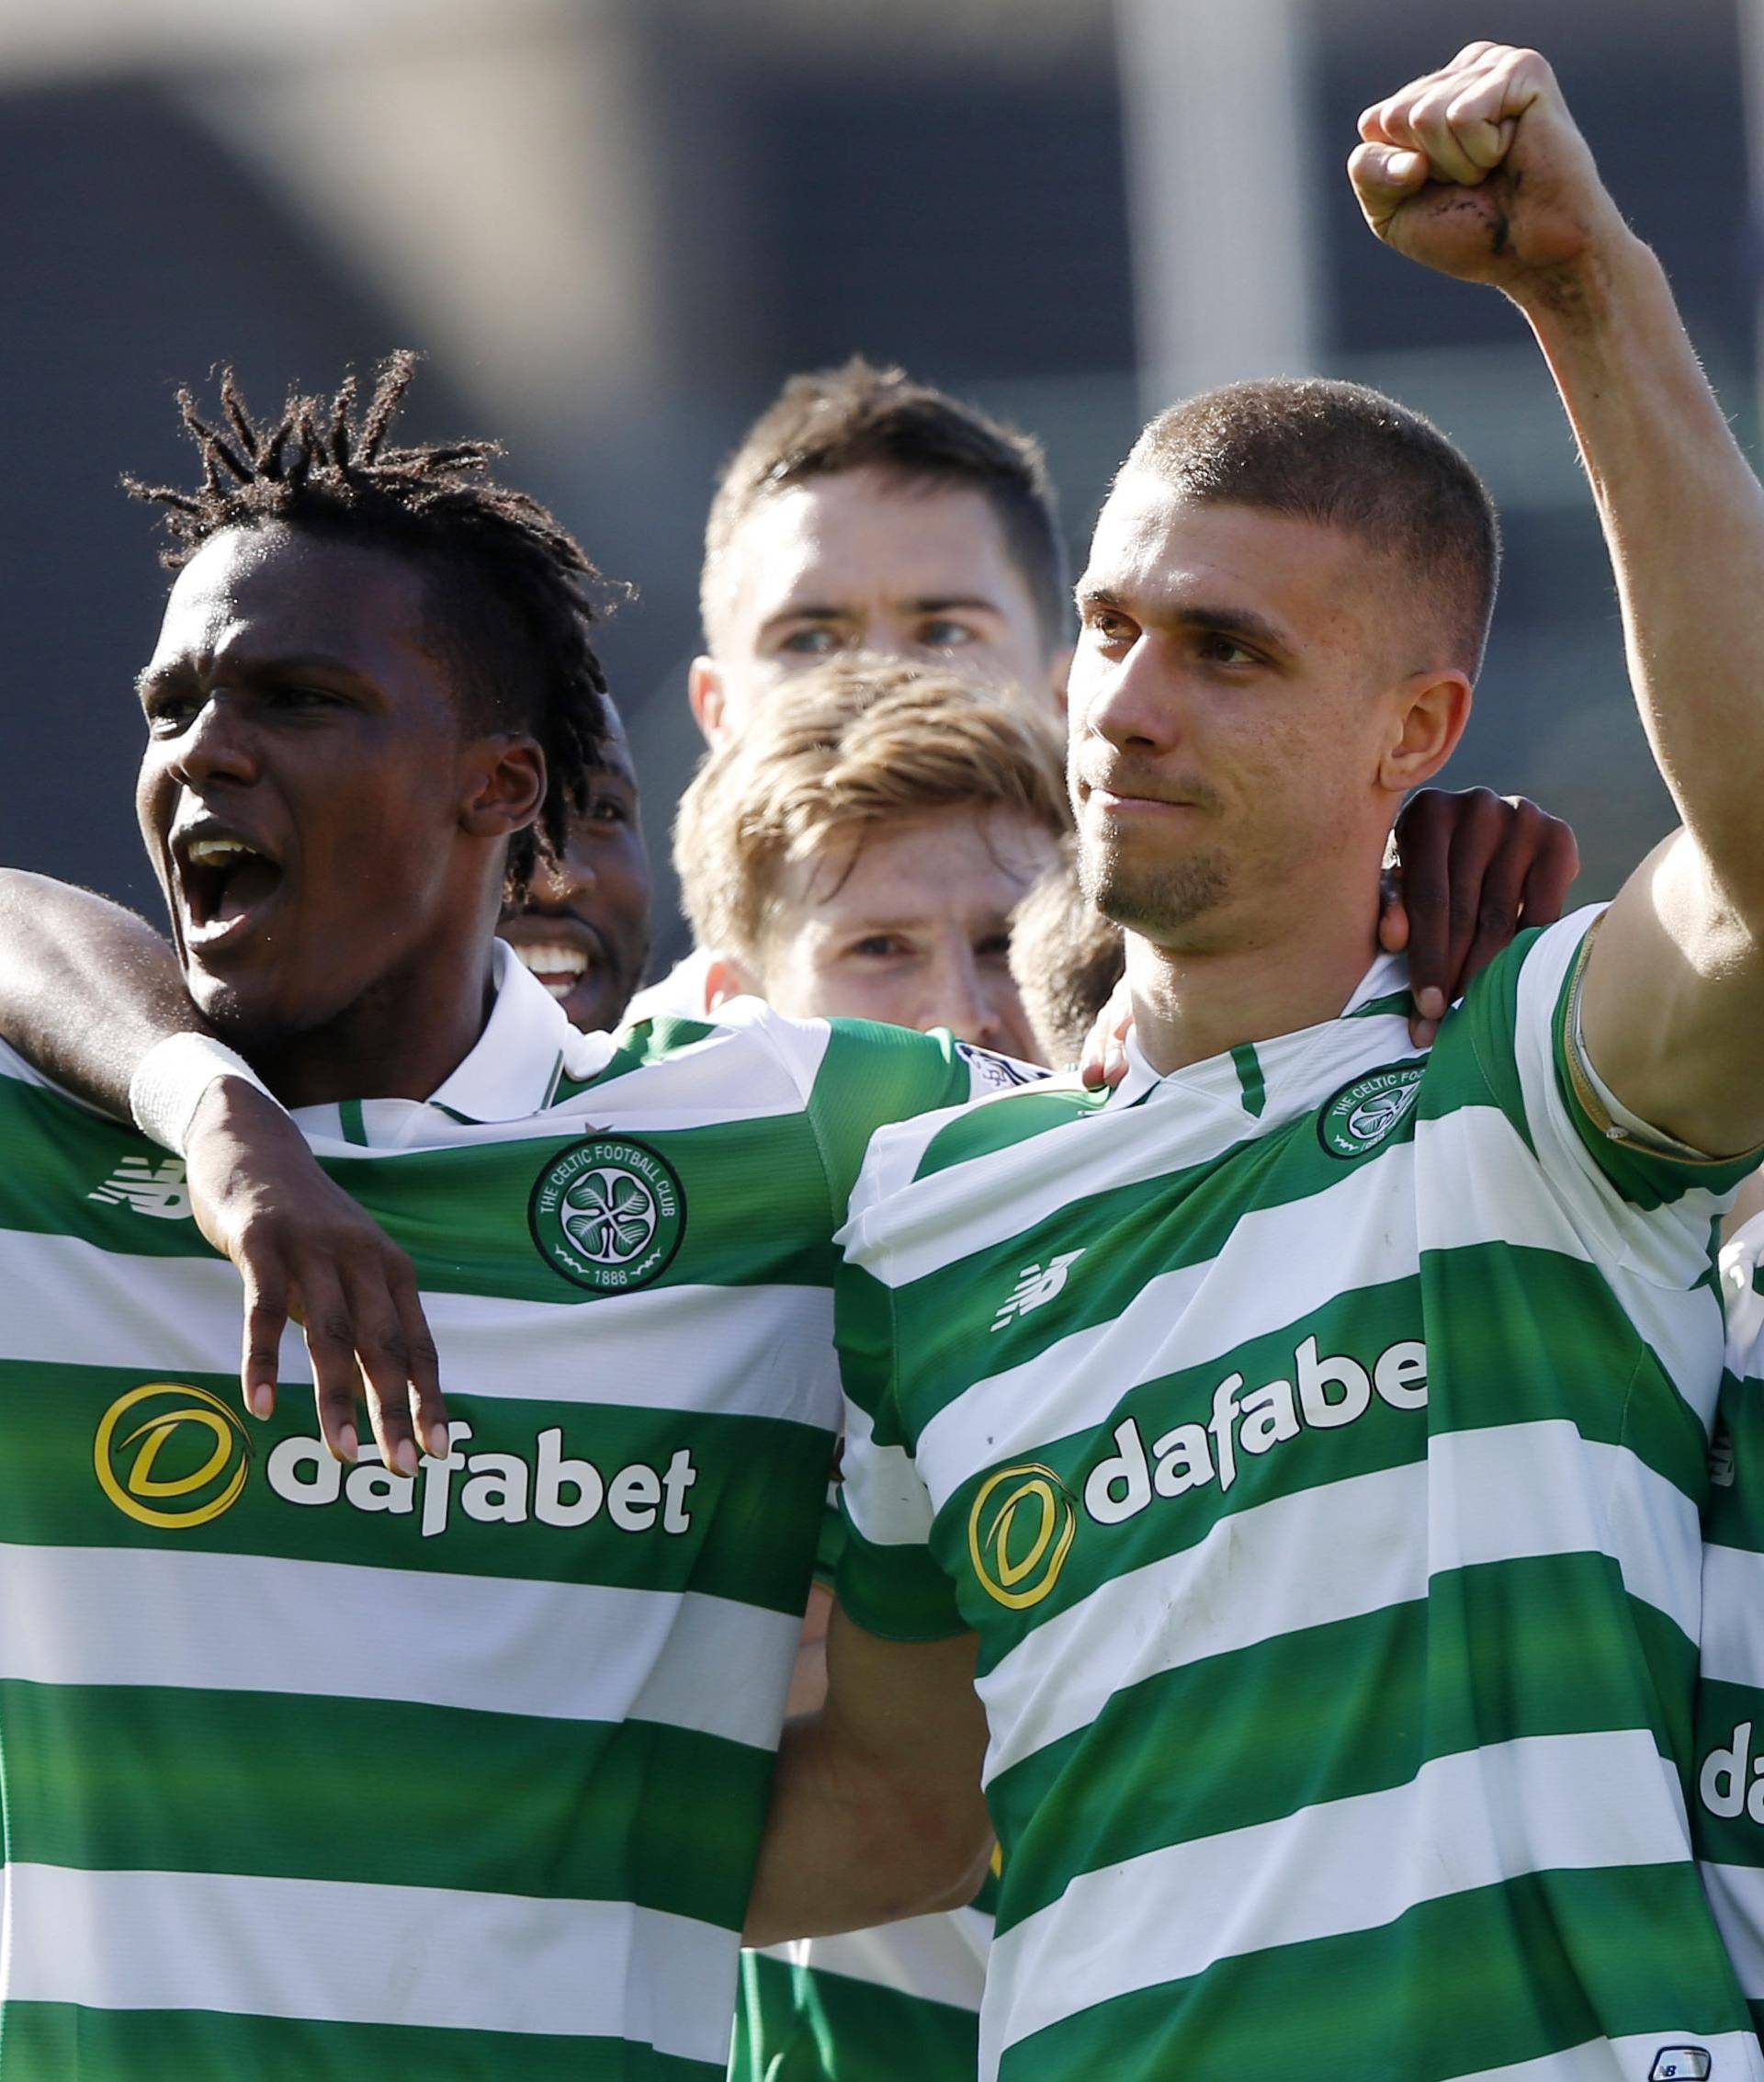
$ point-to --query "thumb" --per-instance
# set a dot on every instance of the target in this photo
(1384, 178)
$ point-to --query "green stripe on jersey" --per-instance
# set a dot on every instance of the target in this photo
(50, 2041)
(1323, 1488)
(1331, 1711)
(145, 1779)
(501, 1505)
(316, 1772)
(796, 2025)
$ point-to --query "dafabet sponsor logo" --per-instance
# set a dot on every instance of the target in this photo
(174, 1457)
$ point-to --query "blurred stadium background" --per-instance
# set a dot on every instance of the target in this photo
(615, 225)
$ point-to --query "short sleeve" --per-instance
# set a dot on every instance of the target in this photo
(1638, 1201)
(888, 1579)
(871, 1076)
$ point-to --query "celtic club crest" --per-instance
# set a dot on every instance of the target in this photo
(608, 1213)
(1368, 1111)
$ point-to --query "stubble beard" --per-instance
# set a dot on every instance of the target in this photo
(1157, 899)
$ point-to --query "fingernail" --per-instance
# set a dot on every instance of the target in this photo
(439, 1442)
(1431, 1002)
(259, 1400)
(348, 1445)
(404, 1456)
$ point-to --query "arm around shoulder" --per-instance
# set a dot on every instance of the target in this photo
(87, 988)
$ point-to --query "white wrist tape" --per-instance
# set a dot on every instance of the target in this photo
(172, 1078)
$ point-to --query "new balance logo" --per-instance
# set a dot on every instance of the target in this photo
(150, 1189)
(1037, 1283)
(1721, 1456)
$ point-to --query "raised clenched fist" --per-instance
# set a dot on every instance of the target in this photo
(1477, 170)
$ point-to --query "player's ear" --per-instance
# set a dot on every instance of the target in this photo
(503, 785)
(705, 692)
(726, 979)
(1431, 710)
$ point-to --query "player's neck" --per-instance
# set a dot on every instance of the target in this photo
(403, 1039)
(1192, 1002)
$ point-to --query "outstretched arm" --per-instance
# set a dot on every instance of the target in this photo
(86, 990)
(875, 1806)
(1479, 171)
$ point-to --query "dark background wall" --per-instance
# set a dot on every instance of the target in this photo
(945, 187)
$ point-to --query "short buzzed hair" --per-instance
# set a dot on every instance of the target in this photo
(847, 749)
(835, 419)
(1344, 456)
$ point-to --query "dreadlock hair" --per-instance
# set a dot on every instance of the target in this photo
(511, 594)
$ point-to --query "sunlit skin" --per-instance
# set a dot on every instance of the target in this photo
(293, 704)
(909, 924)
(583, 928)
(868, 560)
(1250, 697)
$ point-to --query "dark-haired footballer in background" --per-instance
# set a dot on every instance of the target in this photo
(582, 923)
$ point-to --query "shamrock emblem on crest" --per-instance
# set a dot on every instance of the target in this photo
(609, 1214)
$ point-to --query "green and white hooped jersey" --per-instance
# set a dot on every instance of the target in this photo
(1315, 1440)
(325, 1774)
(1728, 1809)
(897, 2004)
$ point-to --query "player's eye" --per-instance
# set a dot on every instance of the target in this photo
(297, 697)
(167, 713)
(815, 641)
(994, 946)
(941, 634)
(876, 947)
(1221, 650)
(609, 809)
(1108, 628)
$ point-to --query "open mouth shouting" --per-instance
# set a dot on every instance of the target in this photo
(223, 882)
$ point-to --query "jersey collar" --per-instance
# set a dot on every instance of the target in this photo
(1240, 1076)
(515, 1069)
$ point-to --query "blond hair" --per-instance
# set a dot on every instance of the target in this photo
(856, 743)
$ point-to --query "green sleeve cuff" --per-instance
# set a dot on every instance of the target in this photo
(898, 1593)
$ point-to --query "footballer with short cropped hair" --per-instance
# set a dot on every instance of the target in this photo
(1273, 1492)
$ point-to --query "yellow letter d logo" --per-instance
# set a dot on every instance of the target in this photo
(1019, 1533)
(183, 1460)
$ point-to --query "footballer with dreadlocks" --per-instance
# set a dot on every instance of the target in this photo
(325, 1763)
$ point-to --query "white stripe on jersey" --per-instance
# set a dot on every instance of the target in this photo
(353, 1953)
(157, 1616)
